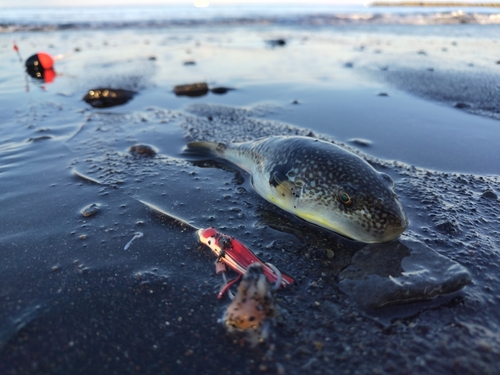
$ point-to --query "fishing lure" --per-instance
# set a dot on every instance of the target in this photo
(229, 251)
(238, 257)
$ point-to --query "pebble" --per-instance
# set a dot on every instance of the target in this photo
(360, 142)
(143, 150)
(276, 42)
(461, 105)
(489, 194)
(221, 90)
(90, 210)
(192, 90)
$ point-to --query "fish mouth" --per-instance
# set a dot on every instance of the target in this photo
(389, 233)
(392, 231)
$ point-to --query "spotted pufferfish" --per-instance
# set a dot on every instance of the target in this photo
(319, 182)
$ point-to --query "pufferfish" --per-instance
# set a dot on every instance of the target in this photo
(319, 182)
(252, 309)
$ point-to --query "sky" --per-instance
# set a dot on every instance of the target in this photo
(57, 3)
(66, 3)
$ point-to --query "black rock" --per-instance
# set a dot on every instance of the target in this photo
(276, 42)
(400, 272)
(106, 97)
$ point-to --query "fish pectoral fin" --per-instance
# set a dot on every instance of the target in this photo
(277, 178)
(283, 186)
(285, 189)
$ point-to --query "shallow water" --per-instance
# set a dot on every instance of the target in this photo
(73, 300)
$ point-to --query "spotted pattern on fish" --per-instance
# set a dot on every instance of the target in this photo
(320, 183)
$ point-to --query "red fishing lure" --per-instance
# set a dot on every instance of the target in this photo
(229, 251)
(238, 257)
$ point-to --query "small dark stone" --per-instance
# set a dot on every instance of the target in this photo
(152, 58)
(382, 94)
(40, 138)
(90, 210)
(422, 53)
(461, 105)
(276, 42)
(449, 226)
(192, 90)
(489, 194)
(106, 97)
(295, 102)
(143, 150)
(360, 142)
(349, 65)
(221, 90)
(190, 62)
(316, 253)
(430, 69)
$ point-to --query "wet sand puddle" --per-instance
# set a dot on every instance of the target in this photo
(76, 301)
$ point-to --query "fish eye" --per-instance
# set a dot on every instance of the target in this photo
(345, 198)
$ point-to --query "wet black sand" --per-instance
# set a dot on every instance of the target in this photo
(74, 301)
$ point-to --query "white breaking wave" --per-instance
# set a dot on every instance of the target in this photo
(44, 19)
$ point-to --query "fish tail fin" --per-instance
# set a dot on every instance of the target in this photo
(205, 148)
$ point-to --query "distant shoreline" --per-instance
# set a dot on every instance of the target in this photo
(432, 4)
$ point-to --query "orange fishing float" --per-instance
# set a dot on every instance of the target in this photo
(39, 65)
(40, 60)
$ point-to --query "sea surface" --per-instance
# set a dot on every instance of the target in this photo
(413, 91)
